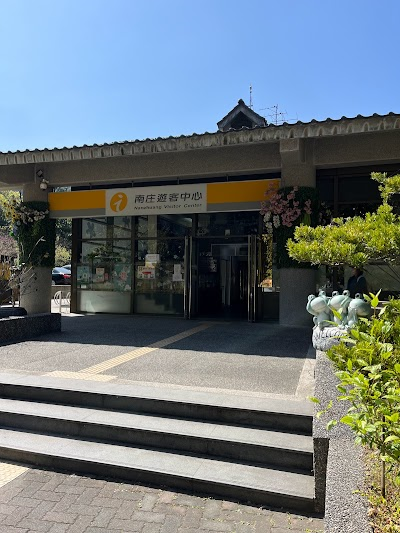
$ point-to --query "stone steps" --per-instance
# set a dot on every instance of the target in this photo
(242, 444)
(88, 428)
(278, 415)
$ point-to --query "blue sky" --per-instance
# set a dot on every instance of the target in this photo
(94, 71)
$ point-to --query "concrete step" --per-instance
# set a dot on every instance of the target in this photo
(236, 446)
(246, 445)
(225, 479)
(278, 415)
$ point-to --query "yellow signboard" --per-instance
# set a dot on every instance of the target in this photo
(167, 199)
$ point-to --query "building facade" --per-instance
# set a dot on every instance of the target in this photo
(172, 226)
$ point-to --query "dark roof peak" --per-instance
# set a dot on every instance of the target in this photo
(241, 116)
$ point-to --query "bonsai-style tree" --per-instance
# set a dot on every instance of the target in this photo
(354, 241)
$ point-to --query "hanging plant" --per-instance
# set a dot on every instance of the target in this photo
(288, 208)
(35, 233)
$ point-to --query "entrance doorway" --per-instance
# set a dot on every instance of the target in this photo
(222, 278)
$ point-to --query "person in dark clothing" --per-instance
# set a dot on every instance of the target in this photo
(357, 283)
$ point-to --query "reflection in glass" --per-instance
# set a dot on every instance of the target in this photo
(118, 250)
(122, 227)
(94, 228)
(240, 223)
(159, 276)
(161, 226)
(105, 265)
(381, 276)
(106, 228)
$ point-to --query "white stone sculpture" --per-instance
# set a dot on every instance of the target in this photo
(329, 326)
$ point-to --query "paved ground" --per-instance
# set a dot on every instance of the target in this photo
(60, 503)
(260, 359)
(241, 356)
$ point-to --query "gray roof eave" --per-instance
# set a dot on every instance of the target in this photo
(269, 133)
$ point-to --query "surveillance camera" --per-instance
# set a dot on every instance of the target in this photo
(43, 184)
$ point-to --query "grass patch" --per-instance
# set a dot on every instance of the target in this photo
(384, 513)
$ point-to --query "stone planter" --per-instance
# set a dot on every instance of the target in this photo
(17, 328)
(323, 339)
(35, 291)
(6, 311)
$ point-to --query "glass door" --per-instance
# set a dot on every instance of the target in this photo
(216, 280)
(159, 276)
(255, 274)
(190, 279)
(222, 278)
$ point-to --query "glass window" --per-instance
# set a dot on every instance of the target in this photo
(216, 224)
(159, 276)
(94, 228)
(358, 189)
(102, 228)
(174, 225)
(122, 227)
(105, 265)
(119, 250)
(168, 250)
(104, 269)
(163, 226)
(325, 189)
(383, 277)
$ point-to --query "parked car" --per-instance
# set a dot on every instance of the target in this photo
(60, 276)
(68, 267)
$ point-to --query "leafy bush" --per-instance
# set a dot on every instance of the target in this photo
(63, 256)
(368, 367)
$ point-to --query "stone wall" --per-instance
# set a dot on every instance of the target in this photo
(18, 328)
(338, 462)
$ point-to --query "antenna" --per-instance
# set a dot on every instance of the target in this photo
(276, 117)
(251, 97)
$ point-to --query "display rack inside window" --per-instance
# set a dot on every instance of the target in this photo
(159, 263)
(105, 254)
(105, 265)
(159, 276)
(104, 271)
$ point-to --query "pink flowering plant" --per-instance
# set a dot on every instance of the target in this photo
(283, 211)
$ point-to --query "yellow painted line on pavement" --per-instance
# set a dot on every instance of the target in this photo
(111, 363)
(134, 354)
(79, 375)
(8, 472)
